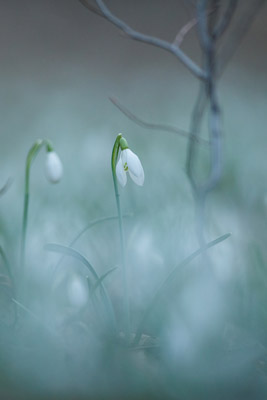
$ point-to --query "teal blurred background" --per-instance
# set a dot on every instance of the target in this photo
(59, 66)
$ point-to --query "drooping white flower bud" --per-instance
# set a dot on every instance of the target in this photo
(53, 167)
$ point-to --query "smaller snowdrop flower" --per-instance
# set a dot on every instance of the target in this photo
(129, 161)
(53, 167)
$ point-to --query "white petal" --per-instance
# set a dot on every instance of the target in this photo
(135, 168)
(124, 154)
(120, 173)
(53, 167)
(139, 180)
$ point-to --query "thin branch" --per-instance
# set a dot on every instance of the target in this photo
(204, 36)
(208, 43)
(159, 127)
(207, 98)
(163, 44)
(226, 19)
(242, 27)
(183, 32)
(6, 186)
(197, 115)
(92, 8)
(185, 29)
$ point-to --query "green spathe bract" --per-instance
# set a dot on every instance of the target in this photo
(123, 144)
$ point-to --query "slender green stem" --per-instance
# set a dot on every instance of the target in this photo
(30, 157)
(126, 307)
(7, 266)
(11, 278)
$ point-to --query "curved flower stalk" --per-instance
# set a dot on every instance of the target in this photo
(53, 170)
(127, 162)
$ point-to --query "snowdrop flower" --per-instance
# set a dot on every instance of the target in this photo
(130, 162)
(53, 167)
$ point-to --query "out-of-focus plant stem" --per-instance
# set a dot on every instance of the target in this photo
(30, 157)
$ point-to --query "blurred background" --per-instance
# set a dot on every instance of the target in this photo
(60, 64)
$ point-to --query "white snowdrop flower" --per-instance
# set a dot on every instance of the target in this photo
(77, 292)
(53, 167)
(130, 162)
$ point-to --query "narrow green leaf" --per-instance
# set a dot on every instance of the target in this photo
(169, 280)
(7, 266)
(102, 277)
(75, 254)
(5, 187)
(86, 228)
(58, 248)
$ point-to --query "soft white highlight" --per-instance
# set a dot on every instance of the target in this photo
(77, 292)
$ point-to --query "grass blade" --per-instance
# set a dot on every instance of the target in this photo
(75, 254)
(58, 248)
(168, 280)
(7, 266)
(102, 277)
(5, 187)
(86, 228)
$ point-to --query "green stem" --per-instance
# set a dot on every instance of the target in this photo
(30, 157)
(126, 307)
(11, 278)
(7, 266)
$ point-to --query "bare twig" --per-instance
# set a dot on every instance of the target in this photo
(203, 28)
(198, 111)
(159, 127)
(209, 43)
(154, 41)
(207, 98)
(241, 28)
(92, 8)
(226, 19)
(183, 32)
(185, 29)
(6, 186)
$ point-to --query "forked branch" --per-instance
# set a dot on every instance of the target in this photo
(141, 37)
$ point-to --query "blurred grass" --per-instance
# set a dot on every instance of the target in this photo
(213, 335)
